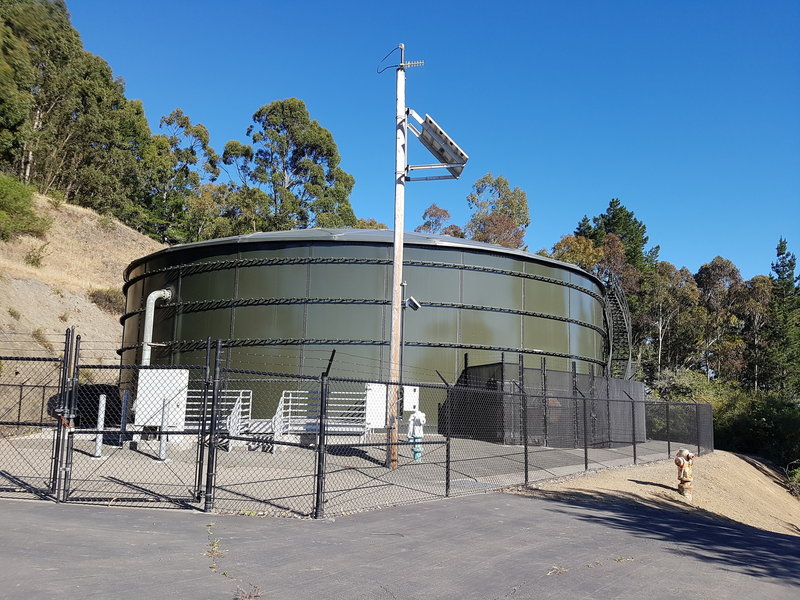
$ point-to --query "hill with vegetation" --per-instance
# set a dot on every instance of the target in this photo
(66, 273)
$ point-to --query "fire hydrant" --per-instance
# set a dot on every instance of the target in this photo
(683, 460)
(416, 424)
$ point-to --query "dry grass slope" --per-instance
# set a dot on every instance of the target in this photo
(83, 254)
(726, 487)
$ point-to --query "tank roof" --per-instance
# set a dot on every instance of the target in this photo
(360, 236)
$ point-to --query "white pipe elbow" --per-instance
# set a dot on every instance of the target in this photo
(149, 311)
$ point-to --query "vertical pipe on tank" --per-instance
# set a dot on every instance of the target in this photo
(147, 334)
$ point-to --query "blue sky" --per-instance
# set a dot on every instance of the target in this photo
(688, 112)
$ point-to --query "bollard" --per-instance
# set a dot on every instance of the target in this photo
(162, 439)
(101, 422)
(683, 460)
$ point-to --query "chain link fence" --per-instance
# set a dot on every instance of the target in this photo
(206, 437)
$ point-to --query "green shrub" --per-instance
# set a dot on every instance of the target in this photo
(35, 256)
(757, 423)
(105, 222)
(16, 210)
(110, 300)
(56, 199)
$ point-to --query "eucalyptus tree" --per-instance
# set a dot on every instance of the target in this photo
(755, 314)
(720, 285)
(176, 163)
(39, 45)
(290, 173)
(435, 221)
(67, 126)
(668, 296)
(499, 212)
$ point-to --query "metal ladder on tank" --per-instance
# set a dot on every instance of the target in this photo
(620, 365)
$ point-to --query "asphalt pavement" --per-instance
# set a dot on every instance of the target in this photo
(486, 546)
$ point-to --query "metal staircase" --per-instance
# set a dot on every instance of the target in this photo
(618, 316)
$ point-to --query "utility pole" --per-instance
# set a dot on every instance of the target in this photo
(450, 157)
(400, 164)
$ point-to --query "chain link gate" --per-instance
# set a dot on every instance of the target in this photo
(134, 435)
(32, 390)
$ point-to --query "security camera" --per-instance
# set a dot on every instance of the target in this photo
(412, 303)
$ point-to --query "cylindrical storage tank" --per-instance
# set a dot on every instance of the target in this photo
(282, 301)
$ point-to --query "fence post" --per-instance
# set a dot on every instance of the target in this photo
(593, 409)
(585, 439)
(448, 443)
(69, 414)
(63, 386)
(201, 429)
(123, 418)
(524, 400)
(101, 423)
(449, 402)
(697, 426)
(66, 475)
(669, 433)
(575, 401)
(608, 411)
(544, 397)
(319, 497)
(211, 472)
(633, 428)
(162, 438)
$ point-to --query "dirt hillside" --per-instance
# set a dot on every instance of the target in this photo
(82, 252)
(726, 486)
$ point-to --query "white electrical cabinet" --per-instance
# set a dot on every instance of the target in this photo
(410, 398)
(161, 398)
(376, 403)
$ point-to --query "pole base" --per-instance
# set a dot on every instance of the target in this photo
(685, 489)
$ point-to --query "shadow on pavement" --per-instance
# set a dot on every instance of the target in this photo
(652, 484)
(697, 534)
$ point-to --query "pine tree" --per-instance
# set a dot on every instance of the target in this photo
(784, 322)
